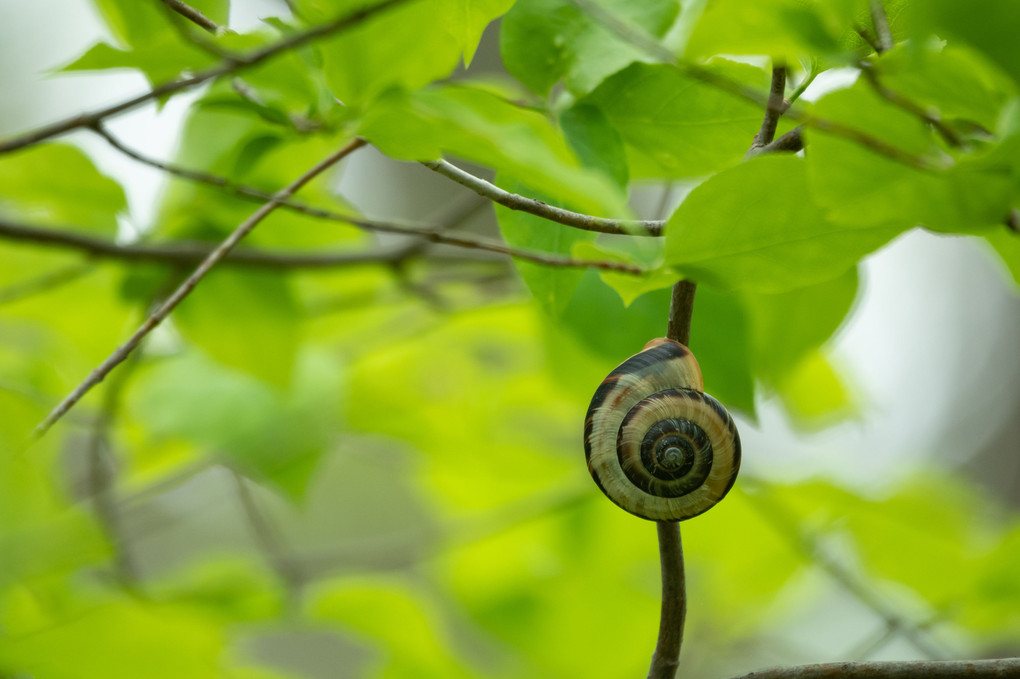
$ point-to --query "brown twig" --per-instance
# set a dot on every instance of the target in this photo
(230, 65)
(513, 201)
(898, 100)
(427, 233)
(916, 669)
(880, 20)
(773, 110)
(188, 285)
(193, 15)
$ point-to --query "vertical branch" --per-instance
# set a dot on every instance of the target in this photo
(673, 613)
(880, 19)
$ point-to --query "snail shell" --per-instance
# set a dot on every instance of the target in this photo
(656, 444)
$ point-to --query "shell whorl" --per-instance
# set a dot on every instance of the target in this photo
(656, 444)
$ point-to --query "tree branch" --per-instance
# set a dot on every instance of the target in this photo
(229, 65)
(538, 208)
(193, 15)
(920, 669)
(188, 285)
(897, 99)
(773, 110)
(880, 20)
(427, 233)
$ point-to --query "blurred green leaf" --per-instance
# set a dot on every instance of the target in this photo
(246, 320)
(812, 392)
(630, 251)
(271, 434)
(418, 646)
(595, 141)
(1007, 245)
(58, 184)
(544, 41)
(678, 126)
(162, 58)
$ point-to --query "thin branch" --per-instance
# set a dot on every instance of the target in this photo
(654, 48)
(538, 208)
(932, 118)
(792, 142)
(188, 285)
(44, 282)
(773, 110)
(184, 252)
(195, 253)
(881, 22)
(230, 65)
(428, 233)
(867, 37)
(193, 15)
(917, 669)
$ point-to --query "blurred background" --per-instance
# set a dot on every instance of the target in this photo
(427, 511)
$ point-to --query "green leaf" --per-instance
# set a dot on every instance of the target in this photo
(1007, 245)
(595, 141)
(755, 227)
(246, 320)
(780, 28)
(985, 25)
(481, 127)
(419, 646)
(135, 23)
(953, 79)
(628, 286)
(408, 47)
(544, 41)
(273, 435)
(677, 125)
(552, 287)
(161, 59)
(58, 184)
(813, 393)
(788, 326)
(859, 188)
(119, 640)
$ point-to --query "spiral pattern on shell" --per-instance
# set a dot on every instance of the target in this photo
(656, 444)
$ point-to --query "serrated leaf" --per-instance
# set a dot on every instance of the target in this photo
(58, 184)
(682, 127)
(161, 59)
(408, 47)
(755, 227)
(544, 41)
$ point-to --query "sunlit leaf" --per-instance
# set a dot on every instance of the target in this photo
(544, 41)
